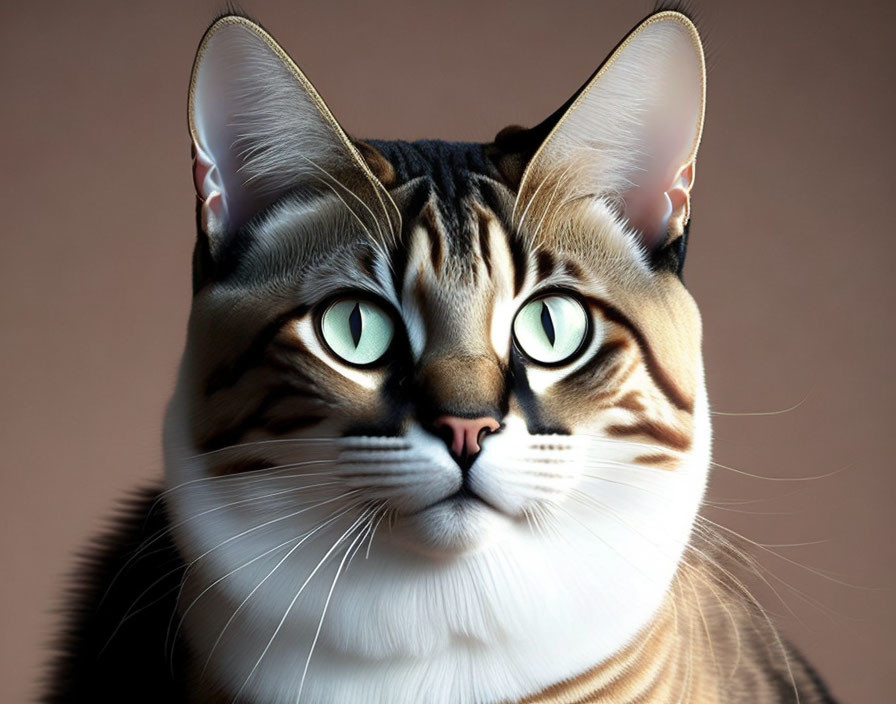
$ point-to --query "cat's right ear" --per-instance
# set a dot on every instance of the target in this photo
(260, 130)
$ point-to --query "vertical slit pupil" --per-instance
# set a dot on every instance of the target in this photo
(354, 324)
(547, 323)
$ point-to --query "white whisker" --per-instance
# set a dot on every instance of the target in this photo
(349, 554)
(292, 603)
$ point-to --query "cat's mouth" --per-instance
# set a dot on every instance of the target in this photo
(462, 497)
(455, 524)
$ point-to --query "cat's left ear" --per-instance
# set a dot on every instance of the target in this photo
(630, 136)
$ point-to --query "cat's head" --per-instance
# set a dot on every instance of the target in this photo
(484, 347)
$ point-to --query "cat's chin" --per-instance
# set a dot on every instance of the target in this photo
(454, 526)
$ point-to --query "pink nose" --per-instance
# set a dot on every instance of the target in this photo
(466, 433)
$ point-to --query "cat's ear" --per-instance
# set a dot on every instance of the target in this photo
(630, 135)
(260, 129)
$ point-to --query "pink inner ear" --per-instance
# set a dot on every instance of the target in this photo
(201, 167)
(204, 174)
(651, 208)
(648, 211)
(632, 133)
(209, 191)
(680, 195)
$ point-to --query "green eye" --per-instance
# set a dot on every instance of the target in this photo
(551, 329)
(357, 331)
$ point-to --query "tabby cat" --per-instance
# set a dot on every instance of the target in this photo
(440, 433)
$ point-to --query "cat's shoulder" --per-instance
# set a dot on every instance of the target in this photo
(118, 604)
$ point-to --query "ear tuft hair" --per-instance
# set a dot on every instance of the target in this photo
(629, 137)
(260, 130)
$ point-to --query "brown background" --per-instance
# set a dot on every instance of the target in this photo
(791, 260)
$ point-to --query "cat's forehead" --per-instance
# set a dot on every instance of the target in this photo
(452, 168)
(462, 246)
(461, 243)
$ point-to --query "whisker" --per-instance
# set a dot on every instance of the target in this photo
(163, 532)
(747, 561)
(599, 538)
(723, 507)
(762, 413)
(768, 548)
(692, 572)
(519, 225)
(741, 587)
(628, 485)
(349, 554)
(606, 439)
(221, 479)
(292, 603)
(373, 532)
(547, 208)
(376, 242)
(255, 443)
(130, 613)
(306, 537)
(780, 479)
(173, 639)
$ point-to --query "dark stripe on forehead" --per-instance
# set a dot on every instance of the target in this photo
(367, 263)
(416, 201)
(430, 222)
(452, 173)
(466, 193)
(573, 269)
(520, 258)
(499, 201)
(545, 264)
(449, 166)
(484, 246)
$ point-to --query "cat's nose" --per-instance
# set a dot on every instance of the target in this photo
(464, 435)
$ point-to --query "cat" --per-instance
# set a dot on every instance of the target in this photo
(440, 433)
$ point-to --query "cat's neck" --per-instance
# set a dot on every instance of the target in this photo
(708, 642)
(665, 663)
(670, 660)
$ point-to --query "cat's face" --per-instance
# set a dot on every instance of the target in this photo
(457, 354)
(548, 365)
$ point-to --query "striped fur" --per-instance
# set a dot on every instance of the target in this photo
(330, 547)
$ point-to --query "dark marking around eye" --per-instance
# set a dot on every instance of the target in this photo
(229, 373)
(354, 323)
(517, 380)
(547, 323)
(680, 398)
(263, 415)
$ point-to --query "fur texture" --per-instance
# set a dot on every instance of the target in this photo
(326, 542)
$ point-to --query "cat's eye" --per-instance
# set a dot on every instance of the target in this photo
(357, 331)
(552, 329)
